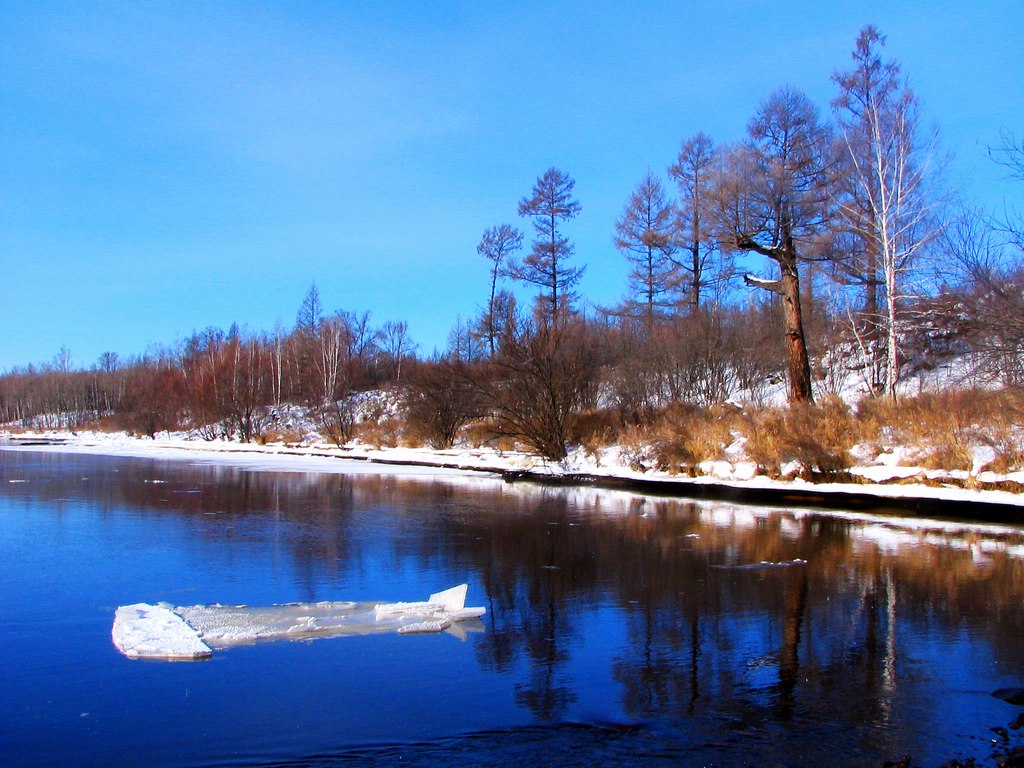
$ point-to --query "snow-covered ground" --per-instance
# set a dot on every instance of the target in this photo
(608, 463)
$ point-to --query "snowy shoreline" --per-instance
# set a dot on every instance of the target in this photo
(874, 492)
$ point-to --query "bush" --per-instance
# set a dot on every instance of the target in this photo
(818, 437)
(946, 426)
(441, 398)
(337, 420)
(683, 436)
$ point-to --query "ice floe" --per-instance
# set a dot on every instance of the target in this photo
(194, 632)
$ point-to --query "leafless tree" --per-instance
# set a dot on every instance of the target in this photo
(645, 234)
(884, 196)
(989, 276)
(702, 261)
(1010, 154)
(154, 399)
(771, 198)
(550, 204)
(497, 245)
(311, 312)
(277, 363)
(246, 393)
(334, 342)
(108, 362)
(464, 342)
(544, 374)
(396, 345)
(442, 397)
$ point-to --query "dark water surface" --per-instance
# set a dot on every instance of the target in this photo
(620, 629)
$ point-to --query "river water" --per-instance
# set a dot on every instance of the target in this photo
(620, 629)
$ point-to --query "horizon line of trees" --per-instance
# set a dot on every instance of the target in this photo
(810, 251)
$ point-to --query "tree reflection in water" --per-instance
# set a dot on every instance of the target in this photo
(719, 620)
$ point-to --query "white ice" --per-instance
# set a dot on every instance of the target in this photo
(155, 631)
(147, 631)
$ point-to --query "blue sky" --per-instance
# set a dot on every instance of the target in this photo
(169, 166)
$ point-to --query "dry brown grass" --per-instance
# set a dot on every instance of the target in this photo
(107, 424)
(818, 437)
(482, 433)
(682, 436)
(386, 433)
(274, 435)
(595, 429)
(947, 425)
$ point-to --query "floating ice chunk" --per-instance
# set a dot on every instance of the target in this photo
(453, 599)
(450, 601)
(156, 632)
(467, 613)
(226, 625)
(423, 627)
(407, 609)
(163, 632)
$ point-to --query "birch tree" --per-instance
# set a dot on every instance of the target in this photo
(396, 345)
(334, 339)
(497, 245)
(885, 199)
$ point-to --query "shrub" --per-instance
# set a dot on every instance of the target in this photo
(594, 429)
(441, 398)
(337, 420)
(819, 437)
(685, 435)
(383, 434)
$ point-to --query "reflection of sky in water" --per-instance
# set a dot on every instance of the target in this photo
(603, 608)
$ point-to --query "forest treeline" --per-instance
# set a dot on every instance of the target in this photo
(820, 252)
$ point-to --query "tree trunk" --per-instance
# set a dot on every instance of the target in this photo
(695, 265)
(872, 333)
(892, 361)
(798, 364)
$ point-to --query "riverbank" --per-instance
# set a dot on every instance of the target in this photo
(926, 493)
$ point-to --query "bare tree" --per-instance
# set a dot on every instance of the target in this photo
(62, 360)
(246, 391)
(364, 342)
(645, 234)
(546, 266)
(989, 277)
(108, 362)
(396, 345)
(1010, 155)
(884, 197)
(153, 399)
(441, 398)
(311, 312)
(464, 343)
(497, 245)
(304, 349)
(334, 340)
(702, 260)
(545, 373)
(277, 360)
(771, 199)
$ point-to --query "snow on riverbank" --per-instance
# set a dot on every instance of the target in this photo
(884, 481)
